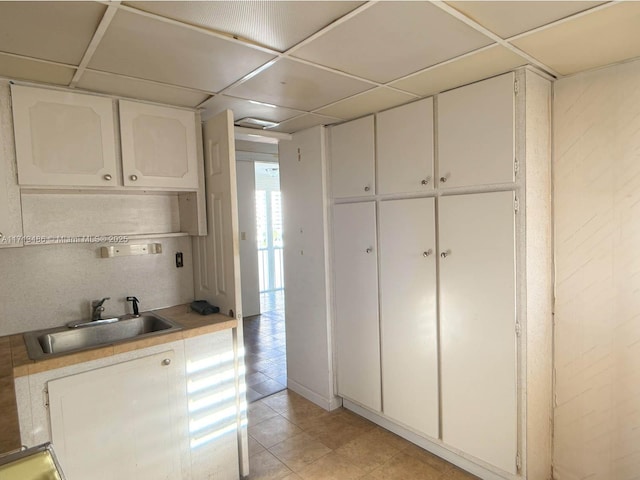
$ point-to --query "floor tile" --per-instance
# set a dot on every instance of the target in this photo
(258, 412)
(264, 466)
(254, 446)
(371, 450)
(332, 466)
(268, 387)
(256, 377)
(427, 457)
(299, 451)
(402, 467)
(273, 431)
(336, 430)
(252, 395)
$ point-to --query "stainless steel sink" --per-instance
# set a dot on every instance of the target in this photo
(44, 343)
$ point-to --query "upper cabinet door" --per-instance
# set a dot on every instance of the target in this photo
(476, 133)
(63, 139)
(158, 146)
(352, 159)
(405, 148)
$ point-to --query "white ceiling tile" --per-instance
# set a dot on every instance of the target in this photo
(278, 25)
(143, 47)
(55, 31)
(246, 108)
(508, 18)
(368, 102)
(25, 69)
(140, 89)
(303, 122)
(297, 85)
(471, 68)
(393, 39)
(607, 36)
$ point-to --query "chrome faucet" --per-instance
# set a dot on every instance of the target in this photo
(97, 309)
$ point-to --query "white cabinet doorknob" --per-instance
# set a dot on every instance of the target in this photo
(445, 254)
(426, 181)
(166, 362)
(133, 178)
(369, 250)
(367, 188)
(107, 177)
(427, 253)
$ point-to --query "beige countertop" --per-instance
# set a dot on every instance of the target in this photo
(15, 362)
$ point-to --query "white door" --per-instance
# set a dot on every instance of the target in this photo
(158, 146)
(356, 299)
(408, 313)
(476, 135)
(249, 268)
(404, 142)
(64, 138)
(353, 158)
(121, 421)
(216, 257)
(477, 326)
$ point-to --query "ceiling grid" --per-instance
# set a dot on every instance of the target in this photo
(301, 64)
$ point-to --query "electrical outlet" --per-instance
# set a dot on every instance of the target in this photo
(179, 260)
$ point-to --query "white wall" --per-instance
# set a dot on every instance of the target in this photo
(246, 179)
(597, 232)
(303, 186)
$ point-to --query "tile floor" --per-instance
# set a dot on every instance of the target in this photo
(265, 348)
(291, 438)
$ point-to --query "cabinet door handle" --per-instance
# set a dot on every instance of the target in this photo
(1, 235)
(369, 250)
(445, 254)
(445, 178)
(133, 178)
(367, 188)
(166, 362)
(426, 181)
(107, 177)
(427, 253)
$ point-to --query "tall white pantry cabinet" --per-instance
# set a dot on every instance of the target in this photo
(442, 269)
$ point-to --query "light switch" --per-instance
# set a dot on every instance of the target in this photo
(243, 235)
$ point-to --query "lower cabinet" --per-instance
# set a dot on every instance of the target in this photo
(171, 412)
(356, 298)
(478, 326)
(408, 315)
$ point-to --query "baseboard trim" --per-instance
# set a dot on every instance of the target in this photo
(327, 404)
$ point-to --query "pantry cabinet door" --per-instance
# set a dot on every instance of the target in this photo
(64, 138)
(478, 326)
(121, 421)
(408, 313)
(356, 302)
(353, 159)
(404, 142)
(158, 146)
(476, 133)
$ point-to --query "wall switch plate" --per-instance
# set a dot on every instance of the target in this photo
(179, 260)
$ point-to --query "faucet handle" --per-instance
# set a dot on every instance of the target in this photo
(98, 303)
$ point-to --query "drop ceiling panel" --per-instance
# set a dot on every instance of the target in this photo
(55, 31)
(297, 85)
(246, 108)
(593, 40)
(471, 68)
(368, 102)
(303, 122)
(25, 69)
(140, 89)
(278, 25)
(393, 39)
(143, 47)
(510, 18)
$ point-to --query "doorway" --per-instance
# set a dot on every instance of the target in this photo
(263, 289)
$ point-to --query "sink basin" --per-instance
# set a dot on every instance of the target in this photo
(43, 343)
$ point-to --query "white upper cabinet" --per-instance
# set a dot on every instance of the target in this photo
(404, 137)
(63, 138)
(353, 159)
(158, 146)
(476, 139)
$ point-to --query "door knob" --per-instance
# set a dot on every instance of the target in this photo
(444, 178)
(369, 250)
(133, 178)
(367, 188)
(445, 254)
(107, 177)
(427, 253)
(166, 362)
(426, 181)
